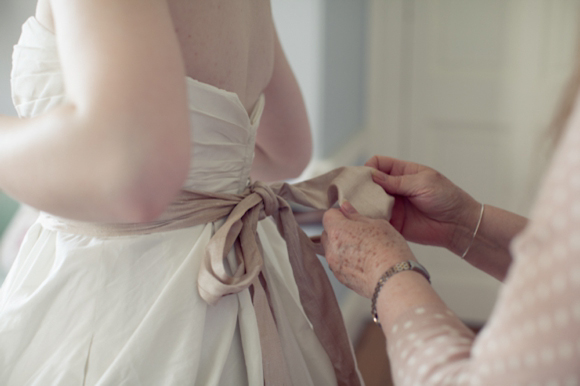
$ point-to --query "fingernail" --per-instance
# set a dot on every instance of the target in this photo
(378, 175)
(347, 207)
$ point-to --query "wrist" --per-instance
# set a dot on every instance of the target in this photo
(465, 230)
(405, 266)
(380, 270)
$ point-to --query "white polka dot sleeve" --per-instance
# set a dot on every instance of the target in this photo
(533, 335)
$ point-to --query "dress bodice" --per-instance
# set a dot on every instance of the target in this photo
(223, 135)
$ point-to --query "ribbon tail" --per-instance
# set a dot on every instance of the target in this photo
(318, 300)
(321, 307)
(273, 362)
(238, 231)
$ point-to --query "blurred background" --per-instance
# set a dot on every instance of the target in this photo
(465, 86)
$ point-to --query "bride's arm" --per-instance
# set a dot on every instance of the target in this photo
(283, 142)
(118, 149)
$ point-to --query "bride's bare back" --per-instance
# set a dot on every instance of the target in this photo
(228, 44)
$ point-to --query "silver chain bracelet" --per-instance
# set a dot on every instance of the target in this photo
(408, 265)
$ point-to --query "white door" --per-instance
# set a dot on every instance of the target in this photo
(466, 86)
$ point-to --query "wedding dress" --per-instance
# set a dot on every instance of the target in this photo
(78, 309)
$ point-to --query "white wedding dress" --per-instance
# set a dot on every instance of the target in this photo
(80, 310)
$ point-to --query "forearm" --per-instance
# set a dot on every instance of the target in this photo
(269, 168)
(283, 141)
(48, 163)
(426, 342)
(402, 292)
(69, 166)
(489, 251)
(263, 168)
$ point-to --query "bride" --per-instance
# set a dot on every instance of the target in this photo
(123, 106)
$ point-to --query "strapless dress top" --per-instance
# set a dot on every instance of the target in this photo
(80, 309)
(223, 150)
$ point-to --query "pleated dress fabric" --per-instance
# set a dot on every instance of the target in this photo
(125, 310)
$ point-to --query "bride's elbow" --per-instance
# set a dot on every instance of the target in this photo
(149, 193)
(143, 185)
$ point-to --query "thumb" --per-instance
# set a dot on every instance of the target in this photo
(394, 185)
(349, 211)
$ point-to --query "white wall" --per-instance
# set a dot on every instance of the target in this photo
(13, 13)
(325, 41)
(300, 25)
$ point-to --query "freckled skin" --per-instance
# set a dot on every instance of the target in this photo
(359, 250)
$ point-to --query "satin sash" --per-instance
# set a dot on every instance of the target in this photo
(242, 213)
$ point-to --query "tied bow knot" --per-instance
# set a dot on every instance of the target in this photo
(240, 232)
(270, 200)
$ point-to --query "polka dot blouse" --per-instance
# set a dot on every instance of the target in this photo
(533, 334)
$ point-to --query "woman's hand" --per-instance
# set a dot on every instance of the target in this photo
(429, 209)
(359, 250)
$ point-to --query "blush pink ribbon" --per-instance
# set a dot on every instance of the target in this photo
(242, 213)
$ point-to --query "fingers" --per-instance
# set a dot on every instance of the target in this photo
(392, 166)
(346, 212)
(382, 163)
(350, 212)
(332, 217)
(395, 185)
(398, 177)
(398, 214)
(324, 239)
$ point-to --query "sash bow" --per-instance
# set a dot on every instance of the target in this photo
(243, 212)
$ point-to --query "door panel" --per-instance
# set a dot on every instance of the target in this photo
(468, 87)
